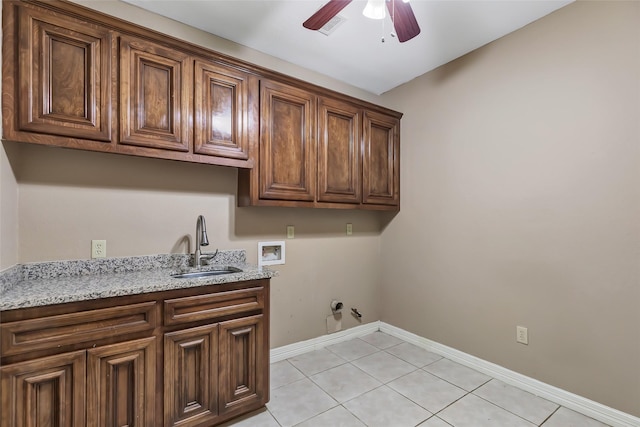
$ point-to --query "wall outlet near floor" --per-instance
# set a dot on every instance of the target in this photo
(98, 248)
(349, 229)
(291, 231)
(522, 335)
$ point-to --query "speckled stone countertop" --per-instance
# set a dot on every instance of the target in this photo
(38, 284)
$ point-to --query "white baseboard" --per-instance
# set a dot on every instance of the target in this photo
(298, 348)
(585, 406)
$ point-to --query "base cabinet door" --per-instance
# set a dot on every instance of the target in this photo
(45, 392)
(191, 376)
(242, 353)
(121, 384)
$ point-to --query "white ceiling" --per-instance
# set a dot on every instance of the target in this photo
(354, 53)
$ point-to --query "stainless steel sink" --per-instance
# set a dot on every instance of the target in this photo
(198, 274)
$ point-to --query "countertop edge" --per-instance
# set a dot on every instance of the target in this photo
(36, 285)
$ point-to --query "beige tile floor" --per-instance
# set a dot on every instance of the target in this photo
(381, 381)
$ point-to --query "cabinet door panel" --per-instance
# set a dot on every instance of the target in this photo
(339, 152)
(242, 353)
(381, 160)
(154, 105)
(221, 103)
(43, 392)
(121, 384)
(287, 144)
(64, 74)
(191, 376)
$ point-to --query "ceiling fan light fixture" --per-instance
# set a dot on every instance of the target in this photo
(375, 9)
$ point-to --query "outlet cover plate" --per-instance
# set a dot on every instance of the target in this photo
(98, 249)
(522, 335)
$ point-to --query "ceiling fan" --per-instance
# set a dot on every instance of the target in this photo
(404, 21)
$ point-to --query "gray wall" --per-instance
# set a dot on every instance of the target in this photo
(521, 203)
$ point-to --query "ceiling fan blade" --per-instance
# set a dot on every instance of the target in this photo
(404, 21)
(325, 13)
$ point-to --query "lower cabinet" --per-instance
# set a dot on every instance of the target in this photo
(121, 386)
(45, 391)
(213, 370)
(191, 376)
(108, 386)
(241, 345)
(198, 358)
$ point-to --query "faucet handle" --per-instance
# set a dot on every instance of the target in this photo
(209, 256)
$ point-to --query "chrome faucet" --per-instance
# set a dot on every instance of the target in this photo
(201, 240)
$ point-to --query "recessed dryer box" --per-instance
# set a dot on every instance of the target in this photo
(270, 253)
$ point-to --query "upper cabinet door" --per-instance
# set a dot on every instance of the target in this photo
(154, 95)
(287, 142)
(381, 160)
(339, 152)
(64, 76)
(221, 111)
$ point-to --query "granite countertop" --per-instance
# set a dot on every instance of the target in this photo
(57, 282)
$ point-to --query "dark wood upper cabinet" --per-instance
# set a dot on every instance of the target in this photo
(89, 81)
(381, 160)
(221, 106)
(154, 100)
(354, 159)
(64, 76)
(287, 142)
(339, 159)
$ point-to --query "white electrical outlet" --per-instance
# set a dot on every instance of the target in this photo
(349, 229)
(98, 248)
(291, 231)
(522, 335)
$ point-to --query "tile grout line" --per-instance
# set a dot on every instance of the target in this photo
(547, 419)
(382, 384)
(505, 409)
(415, 369)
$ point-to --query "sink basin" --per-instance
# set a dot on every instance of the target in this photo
(198, 274)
